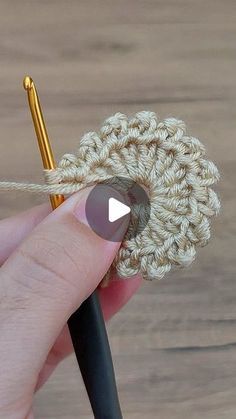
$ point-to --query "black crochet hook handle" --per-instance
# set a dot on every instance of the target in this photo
(90, 341)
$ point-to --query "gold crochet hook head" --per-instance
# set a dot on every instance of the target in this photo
(41, 133)
(27, 83)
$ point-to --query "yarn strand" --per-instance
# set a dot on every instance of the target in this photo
(172, 167)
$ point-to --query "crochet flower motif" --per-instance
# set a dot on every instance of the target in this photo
(170, 165)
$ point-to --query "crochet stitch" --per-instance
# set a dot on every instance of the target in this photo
(169, 164)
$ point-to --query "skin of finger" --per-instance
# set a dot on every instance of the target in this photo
(30, 415)
(112, 299)
(65, 244)
(38, 310)
(14, 229)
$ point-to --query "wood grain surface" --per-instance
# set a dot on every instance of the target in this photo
(174, 345)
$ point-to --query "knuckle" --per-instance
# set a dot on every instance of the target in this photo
(45, 265)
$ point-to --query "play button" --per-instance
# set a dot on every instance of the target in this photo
(117, 210)
(116, 207)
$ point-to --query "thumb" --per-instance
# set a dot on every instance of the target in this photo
(52, 272)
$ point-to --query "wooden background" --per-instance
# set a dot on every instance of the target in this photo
(174, 345)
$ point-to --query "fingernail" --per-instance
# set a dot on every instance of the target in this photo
(80, 211)
(93, 211)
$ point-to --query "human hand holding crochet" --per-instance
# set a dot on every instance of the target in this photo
(62, 261)
(50, 263)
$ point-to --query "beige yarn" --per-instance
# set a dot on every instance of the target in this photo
(160, 156)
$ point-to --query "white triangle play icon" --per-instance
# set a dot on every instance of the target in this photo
(116, 209)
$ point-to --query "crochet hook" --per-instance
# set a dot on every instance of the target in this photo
(86, 325)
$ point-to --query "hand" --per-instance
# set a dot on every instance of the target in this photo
(50, 263)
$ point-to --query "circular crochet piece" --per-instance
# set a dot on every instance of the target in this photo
(170, 166)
